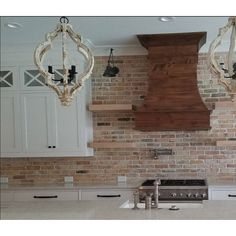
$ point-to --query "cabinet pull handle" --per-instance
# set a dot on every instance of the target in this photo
(54, 196)
(118, 195)
(232, 195)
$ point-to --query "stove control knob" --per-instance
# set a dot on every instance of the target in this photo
(196, 195)
(204, 195)
(173, 194)
(181, 194)
(189, 195)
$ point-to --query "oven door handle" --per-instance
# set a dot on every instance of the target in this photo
(231, 195)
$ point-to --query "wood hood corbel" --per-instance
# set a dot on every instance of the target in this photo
(173, 101)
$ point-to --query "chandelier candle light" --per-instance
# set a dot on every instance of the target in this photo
(227, 76)
(66, 93)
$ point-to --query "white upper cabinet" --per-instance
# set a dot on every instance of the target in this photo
(35, 124)
(67, 124)
(10, 124)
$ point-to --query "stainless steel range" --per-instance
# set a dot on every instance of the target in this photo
(176, 190)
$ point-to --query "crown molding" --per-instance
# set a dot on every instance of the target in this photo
(10, 53)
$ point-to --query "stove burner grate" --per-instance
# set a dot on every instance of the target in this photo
(176, 182)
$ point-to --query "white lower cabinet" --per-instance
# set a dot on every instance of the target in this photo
(6, 196)
(25, 195)
(39, 195)
(222, 193)
(102, 194)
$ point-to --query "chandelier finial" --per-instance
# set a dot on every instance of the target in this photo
(64, 20)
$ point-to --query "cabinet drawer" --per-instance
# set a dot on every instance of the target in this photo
(42, 195)
(223, 194)
(104, 194)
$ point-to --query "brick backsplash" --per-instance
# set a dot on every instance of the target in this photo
(195, 153)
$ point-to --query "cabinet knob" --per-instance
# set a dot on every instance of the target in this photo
(49, 146)
(53, 146)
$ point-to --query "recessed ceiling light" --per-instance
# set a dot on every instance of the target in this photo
(166, 18)
(13, 25)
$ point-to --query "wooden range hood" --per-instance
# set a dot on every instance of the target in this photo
(173, 101)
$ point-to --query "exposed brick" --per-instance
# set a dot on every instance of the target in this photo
(103, 124)
(19, 177)
(195, 153)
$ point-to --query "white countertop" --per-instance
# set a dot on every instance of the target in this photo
(220, 183)
(109, 209)
(76, 186)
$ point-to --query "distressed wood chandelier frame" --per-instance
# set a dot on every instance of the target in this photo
(67, 92)
(227, 76)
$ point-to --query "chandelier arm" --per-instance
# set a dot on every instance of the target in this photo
(48, 43)
(39, 54)
(83, 77)
(214, 66)
(87, 55)
(90, 64)
(231, 51)
(55, 88)
(74, 36)
(78, 40)
(75, 88)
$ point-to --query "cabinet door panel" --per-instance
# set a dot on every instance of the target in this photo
(45, 195)
(36, 122)
(10, 125)
(66, 123)
(223, 195)
(73, 125)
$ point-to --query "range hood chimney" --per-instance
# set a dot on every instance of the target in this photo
(173, 101)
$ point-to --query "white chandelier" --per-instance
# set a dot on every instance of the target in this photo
(225, 71)
(67, 90)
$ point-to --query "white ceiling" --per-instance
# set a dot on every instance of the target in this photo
(107, 31)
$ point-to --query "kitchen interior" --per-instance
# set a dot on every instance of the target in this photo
(131, 124)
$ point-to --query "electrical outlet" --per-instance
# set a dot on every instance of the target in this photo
(3, 180)
(68, 179)
(121, 178)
